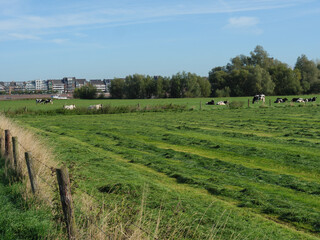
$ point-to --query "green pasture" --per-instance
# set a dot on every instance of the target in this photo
(19, 220)
(194, 103)
(249, 173)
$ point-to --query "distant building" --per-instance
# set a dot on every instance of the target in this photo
(80, 83)
(69, 83)
(107, 83)
(41, 85)
(99, 84)
(2, 87)
(56, 86)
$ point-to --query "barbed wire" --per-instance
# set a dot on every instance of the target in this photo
(51, 186)
(96, 225)
(25, 150)
(102, 204)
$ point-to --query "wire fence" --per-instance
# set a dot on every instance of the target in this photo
(50, 182)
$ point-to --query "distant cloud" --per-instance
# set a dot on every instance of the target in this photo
(59, 40)
(244, 25)
(243, 22)
(100, 14)
(20, 36)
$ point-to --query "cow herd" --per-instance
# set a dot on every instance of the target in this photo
(44, 101)
(68, 107)
(218, 103)
(297, 100)
(262, 97)
(91, 107)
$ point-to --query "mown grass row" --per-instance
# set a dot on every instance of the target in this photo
(264, 160)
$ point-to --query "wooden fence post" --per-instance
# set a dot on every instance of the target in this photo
(15, 154)
(7, 142)
(7, 148)
(1, 142)
(66, 201)
(31, 173)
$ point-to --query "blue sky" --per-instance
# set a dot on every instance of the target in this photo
(106, 39)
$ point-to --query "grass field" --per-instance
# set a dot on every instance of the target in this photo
(19, 220)
(190, 103)
(249, 173)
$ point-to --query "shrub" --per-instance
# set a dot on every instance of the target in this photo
(236, 104)
(86, 92)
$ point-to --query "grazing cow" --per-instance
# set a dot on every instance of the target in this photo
(312, 99)
(40, 100)
(297, 100)
(95, 107)
(259, 97)
(281, 100)
(278, 100)
(221, 103)
(210, 103)
(48, 101)
(69, 107)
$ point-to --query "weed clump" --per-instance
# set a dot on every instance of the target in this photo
(236, 104)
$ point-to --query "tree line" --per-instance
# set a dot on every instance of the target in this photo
(244, 76)
(180, 85)
(259, 73)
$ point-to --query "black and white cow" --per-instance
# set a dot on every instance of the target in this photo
(312, 99)
(259, 97)
(210, 103)
(281, 100)
(44, 101)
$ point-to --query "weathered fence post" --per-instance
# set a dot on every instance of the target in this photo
(66, 201)
(7, 142)
(31, 173)
(15, 154)
(7, 148)
(1, 141)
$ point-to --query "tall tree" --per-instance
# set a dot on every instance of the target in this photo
(260, 57)
(309, 73)
(287, 81)
(117, 88)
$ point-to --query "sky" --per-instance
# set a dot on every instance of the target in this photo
(100, 39)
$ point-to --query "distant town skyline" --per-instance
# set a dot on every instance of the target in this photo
(106, 39)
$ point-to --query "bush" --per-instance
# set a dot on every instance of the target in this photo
(236, 104)
(86, 92)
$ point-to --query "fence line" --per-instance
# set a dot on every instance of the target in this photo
(7, 147)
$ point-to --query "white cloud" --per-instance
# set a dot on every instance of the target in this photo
(101, 15)
(59, 40)
(243, 22)
(20, 36)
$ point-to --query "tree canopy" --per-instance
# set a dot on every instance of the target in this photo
(244, 75)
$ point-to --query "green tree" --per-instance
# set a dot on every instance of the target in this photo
(117, 88)
(287, 81)
(309, 73)
(86, 92)
(205, 87)
(162, 87)
(218, 78)
(260, 57)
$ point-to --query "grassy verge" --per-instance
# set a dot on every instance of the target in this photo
(20, 219)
